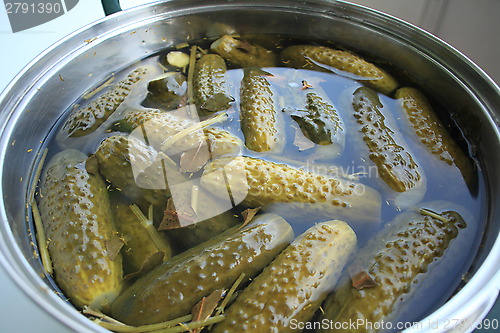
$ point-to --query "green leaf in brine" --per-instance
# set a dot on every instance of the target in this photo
(320, 122)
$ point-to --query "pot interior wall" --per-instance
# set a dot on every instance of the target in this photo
(48, 89)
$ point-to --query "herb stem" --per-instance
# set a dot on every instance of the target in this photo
(192, 61)
(37, 219)
(228, 297)
(143, 328)
(96, 313)
(195, 191)
(106, 84)
(435, 215)
(192, 325)
(230, 293)
(41, 240)
(38, 172)
(192, 129)
(158, 241)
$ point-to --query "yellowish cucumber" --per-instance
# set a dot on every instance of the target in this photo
(78, 224)
(294, 285)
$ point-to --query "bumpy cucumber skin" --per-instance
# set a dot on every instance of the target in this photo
(77, 219)
(260, 121)
(394, 162)
(395, 259)
(138, 244)
(269, 182)
(209, 84)
(171, 290)
(222, 143)
(431, 131)
(322, 125)
(243, 54)
(159, 126)
(295, 284)
(114, 159)
(87, 119)
(311, 57)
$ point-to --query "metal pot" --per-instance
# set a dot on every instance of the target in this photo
(38, 97)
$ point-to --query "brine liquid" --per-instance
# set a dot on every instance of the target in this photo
(442, 182)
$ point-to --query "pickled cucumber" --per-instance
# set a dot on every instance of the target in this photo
(394, 161)
(160, 126)
(295, 284)
(431, 131)
(138, 244)
(87, 119)
(207, 215)
(172, 289)
(202, 231)
(115, 156)
(292, 142)
(261, 124)
(306, 192)
(242, 53)
(207, 226)
(78, 223)
(167, 91)
(322, 58)
(396, 259)
(321, 124)
(209, 84)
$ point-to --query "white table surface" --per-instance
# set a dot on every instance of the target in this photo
(17, 312)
